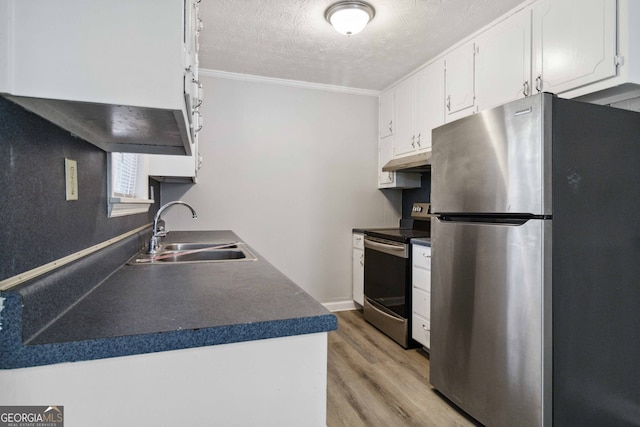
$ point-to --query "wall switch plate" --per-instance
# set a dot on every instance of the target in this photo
(71, 179)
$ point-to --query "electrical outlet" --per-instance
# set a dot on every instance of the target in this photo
(71, 179)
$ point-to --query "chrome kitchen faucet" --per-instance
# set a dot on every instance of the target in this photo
(153, 242)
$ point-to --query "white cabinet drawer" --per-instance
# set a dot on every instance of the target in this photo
(421, 330)
(421, 303)
(422, 256)
(421, 279)
(358, 241)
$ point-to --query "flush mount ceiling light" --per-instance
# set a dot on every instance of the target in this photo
(349, 17)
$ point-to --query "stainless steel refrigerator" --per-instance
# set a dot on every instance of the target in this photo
(536, 264)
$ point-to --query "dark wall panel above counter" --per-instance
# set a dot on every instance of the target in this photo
(37, 224)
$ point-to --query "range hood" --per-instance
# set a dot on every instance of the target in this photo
(420, 162)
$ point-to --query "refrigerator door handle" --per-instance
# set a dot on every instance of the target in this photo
(495, 219)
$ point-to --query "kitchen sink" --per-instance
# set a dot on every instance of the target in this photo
(209, 255)
(191, 246)
(192, 252)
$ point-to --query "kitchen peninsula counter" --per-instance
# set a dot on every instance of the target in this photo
(209, 343)
(151, 308)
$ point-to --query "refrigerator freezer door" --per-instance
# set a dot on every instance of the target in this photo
(487, 319)
(496, 161)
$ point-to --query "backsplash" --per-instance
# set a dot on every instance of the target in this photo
(37, 224)
(416, 195)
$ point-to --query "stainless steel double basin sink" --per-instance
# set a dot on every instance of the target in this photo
(191, 252)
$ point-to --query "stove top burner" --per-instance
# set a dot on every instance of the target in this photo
(403, 235)
(419, 226)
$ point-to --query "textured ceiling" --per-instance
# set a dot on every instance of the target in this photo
(290, 39)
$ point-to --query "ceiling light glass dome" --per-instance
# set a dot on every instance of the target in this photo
(349, 17)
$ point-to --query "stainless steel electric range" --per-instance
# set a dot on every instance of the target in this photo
(387, 275)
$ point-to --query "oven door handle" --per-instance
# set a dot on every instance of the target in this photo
(395, 250)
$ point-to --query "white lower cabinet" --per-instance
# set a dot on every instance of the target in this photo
(358, 268)
(421, 295)
(283, 380)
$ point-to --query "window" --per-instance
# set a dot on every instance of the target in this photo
(127, 184)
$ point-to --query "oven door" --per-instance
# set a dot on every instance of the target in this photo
(387, 274)
(387, 277)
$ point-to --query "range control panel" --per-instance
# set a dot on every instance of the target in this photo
(421, 211)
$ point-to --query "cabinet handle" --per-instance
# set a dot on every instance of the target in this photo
(526, 88)
(418, 141)
(425, 328)
(413, 141)
(539, 84)
(362, 260)
(425, 255)
(199, 122)
(448, 102)
(390, 125)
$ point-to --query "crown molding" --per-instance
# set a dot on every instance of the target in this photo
(284, 82)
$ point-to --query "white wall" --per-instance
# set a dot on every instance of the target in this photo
(291, 170)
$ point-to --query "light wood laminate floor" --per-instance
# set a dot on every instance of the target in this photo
(372, 381)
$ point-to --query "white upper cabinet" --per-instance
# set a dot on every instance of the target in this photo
(625, 84)
(385, 153)
(419, 108)
(460, 81)
(405, 135)
(574, 43)
(175, 169)
(117, 73)
(585, 49)
(429, 103)
(184, 169)
(393, 179)
(387, 113)
(503, 61)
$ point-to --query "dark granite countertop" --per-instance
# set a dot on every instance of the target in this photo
(148, 308)
(362, 230)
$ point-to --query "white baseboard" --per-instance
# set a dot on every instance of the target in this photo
(342, 306)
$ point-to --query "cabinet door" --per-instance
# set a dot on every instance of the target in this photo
(385, 153)
(421, 330)
(175, 169)
(459, 81)
(393, 179)
(575, 43)
(503, 62)
(404, 140)
(387, 109)
(429, 103)
(358, 275)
